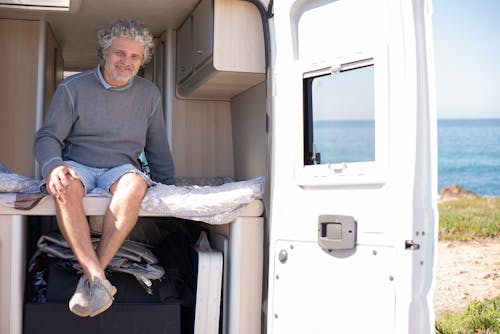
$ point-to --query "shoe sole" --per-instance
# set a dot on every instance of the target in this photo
(82, 314)
(75, 308)
(102, 309)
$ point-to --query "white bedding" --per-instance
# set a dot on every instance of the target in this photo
(210, 204)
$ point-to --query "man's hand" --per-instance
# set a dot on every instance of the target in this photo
(58, 180)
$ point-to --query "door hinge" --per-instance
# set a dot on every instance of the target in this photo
(411, 245)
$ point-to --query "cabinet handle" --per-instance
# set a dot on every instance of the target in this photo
(199, 52)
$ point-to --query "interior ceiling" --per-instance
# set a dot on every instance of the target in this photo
(76, 32)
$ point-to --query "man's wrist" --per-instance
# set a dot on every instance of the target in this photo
(51, 165)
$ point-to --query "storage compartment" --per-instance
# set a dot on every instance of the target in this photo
(168, 307)
(220, 50)
(220, 306)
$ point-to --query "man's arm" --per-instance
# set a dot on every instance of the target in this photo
(49, 140)
(157, 150)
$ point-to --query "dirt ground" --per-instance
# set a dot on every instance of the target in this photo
(466, 271)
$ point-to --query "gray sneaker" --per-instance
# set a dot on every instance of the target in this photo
(101, 296)
(79, 303)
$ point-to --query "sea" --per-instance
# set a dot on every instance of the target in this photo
(468, 150)
(469, 154)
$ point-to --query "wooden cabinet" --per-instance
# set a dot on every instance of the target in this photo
(184, 50)
(220, 50)
(202, 33)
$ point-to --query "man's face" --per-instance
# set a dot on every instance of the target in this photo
(122, 61)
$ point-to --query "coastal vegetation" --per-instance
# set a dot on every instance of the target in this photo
(465, 220)
(469, 219)
(481, 317)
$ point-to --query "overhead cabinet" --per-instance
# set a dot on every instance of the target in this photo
(220, 50)
(203, 22)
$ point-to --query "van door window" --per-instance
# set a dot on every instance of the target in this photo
(345, 123)
(339, 116)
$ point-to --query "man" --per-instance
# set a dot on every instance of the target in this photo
(98, 124)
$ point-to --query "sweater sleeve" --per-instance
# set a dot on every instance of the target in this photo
(49, 140)
(157, 150)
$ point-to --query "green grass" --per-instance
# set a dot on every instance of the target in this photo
(481, 317)
(465, 220)
(469, 219)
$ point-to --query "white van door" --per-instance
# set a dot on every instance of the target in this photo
(353, 167)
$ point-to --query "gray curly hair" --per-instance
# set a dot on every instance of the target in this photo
(128, 28)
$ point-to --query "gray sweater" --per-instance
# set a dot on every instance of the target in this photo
(102, 126)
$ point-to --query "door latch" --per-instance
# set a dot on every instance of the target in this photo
(411, 245)
(336, 232)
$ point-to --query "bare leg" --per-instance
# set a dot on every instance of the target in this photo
(121, 215)
(75, 229)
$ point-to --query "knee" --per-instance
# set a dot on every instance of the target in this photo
(130, 185)
(73, 191)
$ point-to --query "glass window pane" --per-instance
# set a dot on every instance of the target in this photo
(343, 118)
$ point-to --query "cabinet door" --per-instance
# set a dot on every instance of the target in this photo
(202, 32)
(184, 50)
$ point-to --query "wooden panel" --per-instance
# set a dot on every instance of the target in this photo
(248, 116)
(201, 138)
(18, 83)
(184, 50)
(159, 62)
(223, 85)
(12, 271)
(238, 37)
(154, 70)
(54, 68)
(202, 32)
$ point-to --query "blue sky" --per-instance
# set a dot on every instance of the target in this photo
(467, 58)
(467, 63)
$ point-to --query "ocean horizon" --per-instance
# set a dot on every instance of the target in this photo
(468, 149)
(469, 154)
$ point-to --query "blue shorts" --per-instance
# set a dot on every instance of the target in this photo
(103, 178)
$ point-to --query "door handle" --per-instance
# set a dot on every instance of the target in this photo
(337, 232)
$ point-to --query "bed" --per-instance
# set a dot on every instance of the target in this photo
(234, 209)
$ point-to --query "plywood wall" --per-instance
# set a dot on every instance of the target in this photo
(248, 116)
(18, 82)
(201, 138)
